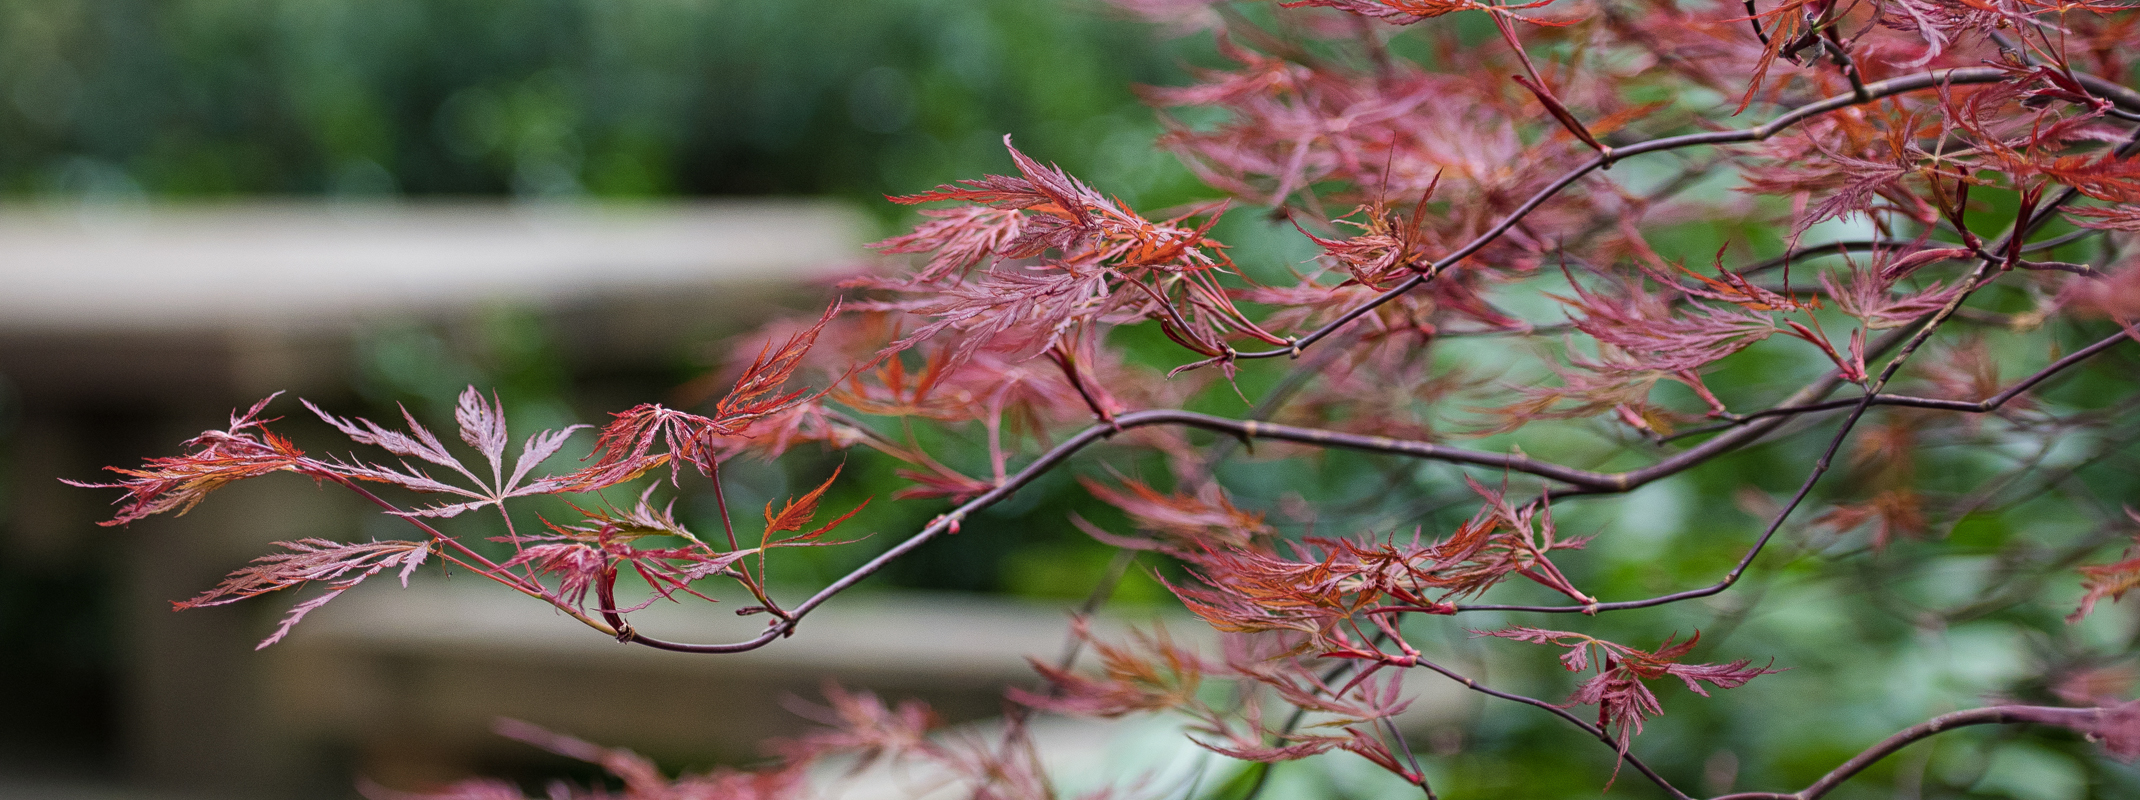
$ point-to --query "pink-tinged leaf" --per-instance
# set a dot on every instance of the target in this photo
(1323, 584)
(2116, 295)
(1560, 112)
(1068, 195)
(1850, 369)
(445, 510)
(811, 537)
(1298, 749)
(1891, 512)
(1525, 633)
(308, 560)
(218, 459)
(798, 510)
(1390, 247)
(312, 560)
(1902, 267)
(419, 443)
(1867, 293)
(862, 723)
(2108, 580)
(1722, 676)
(754, 396)
(961, 238)
(641, 519)
(2118, 730)
(1150, 673)
(297, 614)
(2105, 177)
(586, 555)
(700, 564)
(1187, 520)
(1500, 541)
(2105, 580)
(1623, 702)
(936, 480)
(534, 451)
(1617, 689)
(1729, 287)
(641, 778)
(483, 428)
(1657, 337)
(1074, 694)
(2111, 218)
(1406, 12)
(626, 447)
(1099, 263)
(994, 190)
(577, 566)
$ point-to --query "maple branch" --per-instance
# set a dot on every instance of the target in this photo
(1837, 247)
(1572, 719)
(720, 502)
(1295, 379)
(1585, 481)
(1753, 16)
(1864, 245)
(2076, 718)
(1411, 758)
(2061, 240)
(1985, 405)
(1246, 429)
(1305, 114)
(1873, 91)
(1849, 66)
(1061, 356)
(488, 568)
(1931, 322)
(1820, 468)
(1588, 482)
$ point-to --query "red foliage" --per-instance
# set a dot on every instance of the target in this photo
(1617, 688)
(2108, 580)
(219, 458)
(1459, 195)
(575, 557)
(312, 560)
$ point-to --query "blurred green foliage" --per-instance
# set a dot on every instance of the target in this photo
(547, 98)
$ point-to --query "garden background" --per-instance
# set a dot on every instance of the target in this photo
(117, 106)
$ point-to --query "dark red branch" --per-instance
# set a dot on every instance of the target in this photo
(1985, 405)
(2078, 718)
(1585, 481)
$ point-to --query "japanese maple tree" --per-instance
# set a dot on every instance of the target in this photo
(1879, 250)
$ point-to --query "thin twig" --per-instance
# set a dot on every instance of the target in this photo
(2078, 718)
(1600, 733)
(1985, 405)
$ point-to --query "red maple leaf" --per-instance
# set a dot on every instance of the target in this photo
(1618, 688)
